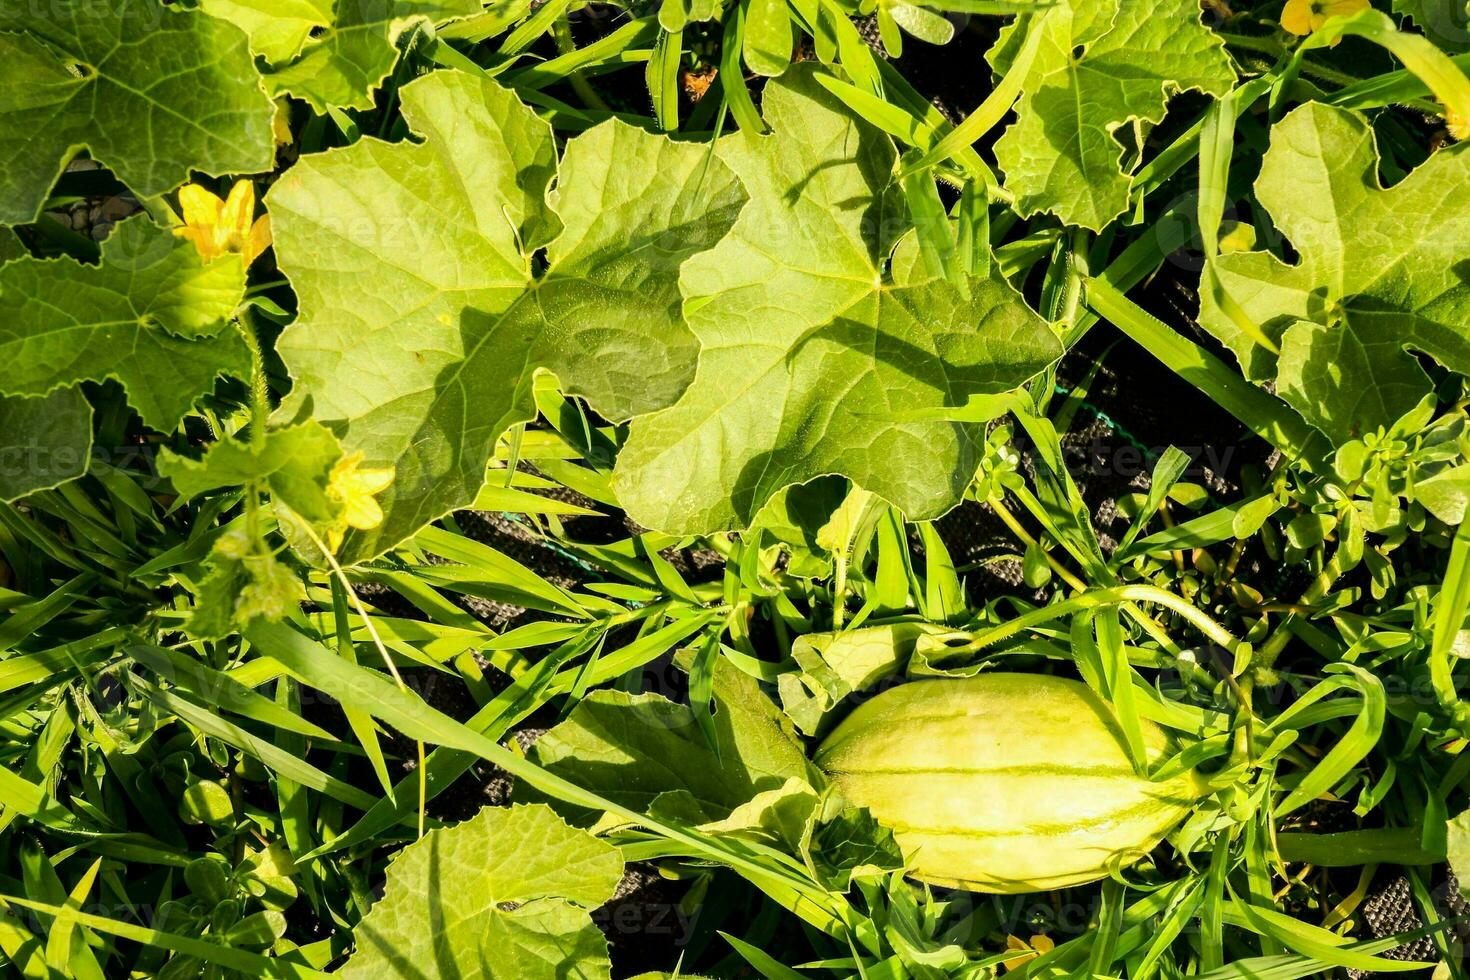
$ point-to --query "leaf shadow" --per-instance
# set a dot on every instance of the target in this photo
(437, 919)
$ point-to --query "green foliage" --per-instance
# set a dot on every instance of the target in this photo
(152, 92)
(294, 463)
(1099, 75)
(504, 894)
(1377, 275)
(46, 441)
(635, 748)
(152, 315)
(1445, 22)
(451, 566)
(277, 30)
(798, 303)
(1459, 847)
(464, 322)
(332, 55)
(835, 665)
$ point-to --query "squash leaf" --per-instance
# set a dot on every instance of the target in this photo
(1458, 843)
(1445, 22)
(152, 315)
(422, 323)
(1381, 271)
(634, 748)
(44, 441)
(333, 55)
(11, 247)
(503, 896)
(152, 92)
(1100, 69)
(811, 352)
(278, 29)
(832, 666)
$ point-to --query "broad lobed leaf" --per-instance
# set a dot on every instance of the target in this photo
(44, 441)
(152, 315)
(422, 321)
(502, 896)
(812, 353)
(151, 91)
(1381, 272)
(634, 748)
(1445, 22)
(278, 29)
(333, 55)
(1100, 69)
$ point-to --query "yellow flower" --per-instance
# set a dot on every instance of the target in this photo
(281, 122)
(1302, 17)
(1456, 124)
(353, 487)
(1038, 945)
(217, 227)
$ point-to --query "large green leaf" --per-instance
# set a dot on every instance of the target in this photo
(502, 896)
(1380, 272)
(1458, 845)
(333, 54)
(831, 666)
(44, 441)
(152, 315)
(1445, 22)
(634, 748)
(278, 29)
(422, 323)
(1102, 68)
(11, 247)
(814, 359)
(152, 92)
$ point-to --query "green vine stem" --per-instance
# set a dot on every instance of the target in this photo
(1100, 598)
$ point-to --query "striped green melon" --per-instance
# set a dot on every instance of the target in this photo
(1004, 782)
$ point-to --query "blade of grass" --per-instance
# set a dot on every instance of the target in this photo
(1433, 67)
(734, 91)
(267, 753)
(617, 47)
(1450, 606)
(1322, 945)
(361, 724)
(223, 691)
(1167, 472)
(250, 964)
(407, 712)
(543, 681)
(662, 76)
(1351, 748)
(1119, 675)
(991, 111)
(1265, 415)
(765, 964)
